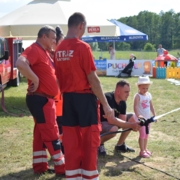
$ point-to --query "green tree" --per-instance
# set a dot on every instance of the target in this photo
(122, 46)
(176, 36)
(162, 28)
(149, 47)
(103, 46)
(94, 46)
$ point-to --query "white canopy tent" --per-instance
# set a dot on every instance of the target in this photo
(26, 21)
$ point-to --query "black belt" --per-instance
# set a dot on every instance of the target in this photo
(40, 94)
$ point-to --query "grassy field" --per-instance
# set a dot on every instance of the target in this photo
(16, 139)
(138, 54)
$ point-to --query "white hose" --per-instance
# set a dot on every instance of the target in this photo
(157, 117)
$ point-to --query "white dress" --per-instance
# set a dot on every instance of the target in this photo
(143, 106)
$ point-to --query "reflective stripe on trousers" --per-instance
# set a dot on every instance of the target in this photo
(76, 174)
(39, 157)
(46, 134)
(80, 178)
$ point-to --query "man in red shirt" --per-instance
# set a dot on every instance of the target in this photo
(35, 64)
(80, 85)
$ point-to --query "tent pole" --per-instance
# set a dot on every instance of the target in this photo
(114, 45)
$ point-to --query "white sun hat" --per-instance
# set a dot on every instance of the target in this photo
(143, 80)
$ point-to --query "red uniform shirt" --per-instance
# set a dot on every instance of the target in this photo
(73, 62)
(42, 66)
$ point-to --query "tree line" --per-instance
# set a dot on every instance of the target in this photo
(162, 28)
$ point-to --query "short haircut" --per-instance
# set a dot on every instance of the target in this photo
(122, 83)
(110, 45)
(45, 30)
(76, 19)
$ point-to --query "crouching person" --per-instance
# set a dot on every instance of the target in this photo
(117, 101)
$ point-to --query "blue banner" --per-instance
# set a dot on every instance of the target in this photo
(114, 38)
(100, 64)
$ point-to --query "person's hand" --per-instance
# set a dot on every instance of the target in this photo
(33, 86)
(140, 116)
(109, 114)
(135, 126)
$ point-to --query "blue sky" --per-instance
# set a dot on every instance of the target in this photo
(107, 9)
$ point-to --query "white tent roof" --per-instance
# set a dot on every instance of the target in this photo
(26, 21)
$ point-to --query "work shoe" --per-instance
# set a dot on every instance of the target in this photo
(101, 150)
(123, 148)
(61, 175)
(49, 171)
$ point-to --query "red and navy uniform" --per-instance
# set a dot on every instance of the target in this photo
(42, 106)
(59, 103)
(80, 120)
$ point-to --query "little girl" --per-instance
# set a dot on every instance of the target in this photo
(143, 107)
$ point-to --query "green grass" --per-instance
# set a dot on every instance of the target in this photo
(126, 54)
(16, 138)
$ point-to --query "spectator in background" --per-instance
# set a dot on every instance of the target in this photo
(112, 52)
(100, 58)
(129, 67)
(132, 58)
(160, 50)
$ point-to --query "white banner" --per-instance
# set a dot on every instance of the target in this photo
(141, 67)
